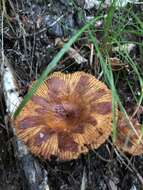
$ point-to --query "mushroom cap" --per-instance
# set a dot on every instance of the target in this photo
(68, 115)
(128, 140)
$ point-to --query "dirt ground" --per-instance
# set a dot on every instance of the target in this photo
(29, 44)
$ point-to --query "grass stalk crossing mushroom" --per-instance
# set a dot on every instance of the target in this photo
(68, 115)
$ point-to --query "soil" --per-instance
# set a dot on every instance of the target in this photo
(30, 30)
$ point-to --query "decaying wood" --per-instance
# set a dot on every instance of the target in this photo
(74, 54)
(33, 174)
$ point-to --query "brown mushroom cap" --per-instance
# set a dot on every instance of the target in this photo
(128, 140)
(68, 115)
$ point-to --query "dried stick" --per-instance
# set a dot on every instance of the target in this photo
(34, 175)
(72, 52)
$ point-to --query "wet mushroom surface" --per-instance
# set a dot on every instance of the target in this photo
(68, 115)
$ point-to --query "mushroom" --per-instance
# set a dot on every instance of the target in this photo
(67, 116)
(129, 140)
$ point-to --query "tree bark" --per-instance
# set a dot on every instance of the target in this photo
(33, 174)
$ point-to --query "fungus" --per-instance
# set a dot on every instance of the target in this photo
(129, 140)
(68, 115)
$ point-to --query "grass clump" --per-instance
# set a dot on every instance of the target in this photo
(120, 27)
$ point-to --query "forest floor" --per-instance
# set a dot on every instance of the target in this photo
(30, 32)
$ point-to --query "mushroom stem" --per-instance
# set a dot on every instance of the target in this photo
(35, 177)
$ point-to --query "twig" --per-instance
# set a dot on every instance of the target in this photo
(35, 176)
(72, 52)
(129, 165)
(84, 180)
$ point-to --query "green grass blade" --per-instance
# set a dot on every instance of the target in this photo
(52, 65)
(108, 75)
